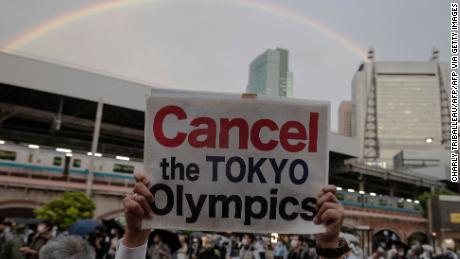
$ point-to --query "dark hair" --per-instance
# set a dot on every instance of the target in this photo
(251, 236)
(310, 242)
(47, 223)
(299, 237)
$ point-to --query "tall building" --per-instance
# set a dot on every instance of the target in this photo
(345, 118)
(400, 105)
(269, 74)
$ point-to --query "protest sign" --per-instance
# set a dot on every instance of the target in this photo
(220, 162)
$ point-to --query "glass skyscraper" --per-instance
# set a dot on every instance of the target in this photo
(269, 74)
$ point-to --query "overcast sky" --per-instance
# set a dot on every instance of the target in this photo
(208, 45)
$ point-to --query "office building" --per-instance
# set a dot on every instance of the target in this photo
(269, 74)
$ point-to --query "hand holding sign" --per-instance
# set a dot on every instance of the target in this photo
(137, 207)
(331, 213)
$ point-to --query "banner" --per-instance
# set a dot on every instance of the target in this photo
(220, 162)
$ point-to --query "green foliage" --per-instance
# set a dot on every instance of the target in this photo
(66, 209)
(424, 197)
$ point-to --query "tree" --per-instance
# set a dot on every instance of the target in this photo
(66, 209)
(424, 197)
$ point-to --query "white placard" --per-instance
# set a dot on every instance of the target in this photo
(220, 162)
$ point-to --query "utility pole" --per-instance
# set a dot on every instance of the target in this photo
(97, 127)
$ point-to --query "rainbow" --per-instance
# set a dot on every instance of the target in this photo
(54, 24)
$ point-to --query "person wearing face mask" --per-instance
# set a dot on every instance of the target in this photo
(115, 233)
(260, 247)
(297, 251)
(280, 251)
(159, 249)
(208, 250)
(98, 240)
(182, 252)
(195, 248)
(39, 240)
(248, 250)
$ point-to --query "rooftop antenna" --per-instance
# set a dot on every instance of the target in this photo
(434, 54)
(371, 141)
(371, 54)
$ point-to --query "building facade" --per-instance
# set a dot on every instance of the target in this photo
(269, 74)
(400, 105)
(345, 118)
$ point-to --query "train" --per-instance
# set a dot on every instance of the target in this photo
(59, 162)
(382, 202)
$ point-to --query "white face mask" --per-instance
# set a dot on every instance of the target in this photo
(294, 243)
(401, 253)
(41, 228)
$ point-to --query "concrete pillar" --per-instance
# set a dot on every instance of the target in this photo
(392, 192)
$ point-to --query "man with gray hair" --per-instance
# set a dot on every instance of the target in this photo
(68, 247)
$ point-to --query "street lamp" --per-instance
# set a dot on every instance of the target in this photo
(433, 241)
(429, 140)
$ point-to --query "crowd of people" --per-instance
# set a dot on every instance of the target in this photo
(20, 241)
(45, 242)
(33, 241)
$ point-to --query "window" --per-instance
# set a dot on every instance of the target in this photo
(339, 196)
(382, 202)
(77, 163)
(7, 155)
(57, 161)
(127, 169)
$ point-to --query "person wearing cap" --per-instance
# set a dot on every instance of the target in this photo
(134, 244)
